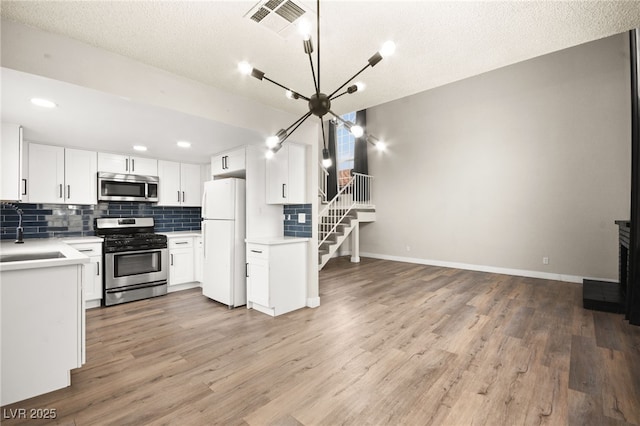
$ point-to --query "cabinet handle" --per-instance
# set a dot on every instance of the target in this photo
(126, 165)
(68, 191)
(181, 242)
(246, 270)
(85, 250)
(256, 251)
(284, 185)
(133, 165)
(183, 196)
(97, 268)
(60, 190)
(178, 196)
(172, 260)
(24, 190)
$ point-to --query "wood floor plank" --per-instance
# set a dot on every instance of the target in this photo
(392, 343)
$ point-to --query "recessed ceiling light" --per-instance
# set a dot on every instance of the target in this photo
(183, 144)
(44, 103)
(139, 148)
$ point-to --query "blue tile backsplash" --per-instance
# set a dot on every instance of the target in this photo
(64, 220)
(291, 226)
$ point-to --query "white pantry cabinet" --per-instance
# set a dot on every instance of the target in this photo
(179, 184)
(13, 185)
(181, 260)
(286, 175)
(230, 163)
(118, 163)
(277, 275)
(62, 175)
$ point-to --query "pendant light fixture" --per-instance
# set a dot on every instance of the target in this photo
(319, 103)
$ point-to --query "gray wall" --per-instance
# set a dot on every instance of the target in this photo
(504, 168)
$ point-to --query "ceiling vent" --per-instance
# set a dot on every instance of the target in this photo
(278, 16)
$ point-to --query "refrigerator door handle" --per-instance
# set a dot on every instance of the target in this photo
(284, 185)
(204, 239)
(246, 270)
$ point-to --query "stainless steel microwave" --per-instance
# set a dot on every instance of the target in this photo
(123, 187)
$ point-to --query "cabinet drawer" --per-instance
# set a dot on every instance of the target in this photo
(88, 249)
(257, 251)
(180, 243)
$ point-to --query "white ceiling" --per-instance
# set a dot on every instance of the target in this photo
(437, 42)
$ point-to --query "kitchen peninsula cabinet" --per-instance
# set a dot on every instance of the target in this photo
(179, 184)
(181, 261)
(286, 175)
(118, 163)
(276, 274)
(61, 175)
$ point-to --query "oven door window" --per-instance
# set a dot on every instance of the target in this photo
(122, 189)
(127, 264)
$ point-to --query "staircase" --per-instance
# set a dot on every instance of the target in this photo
(342, 215)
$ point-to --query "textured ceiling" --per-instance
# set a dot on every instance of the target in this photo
(437, 42)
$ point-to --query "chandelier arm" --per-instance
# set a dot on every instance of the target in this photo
(300, 121)
(337, 96)
(313, 73)
(318, 32)
(285, 88)
(343, 121)
(324, 138)
(349, 81)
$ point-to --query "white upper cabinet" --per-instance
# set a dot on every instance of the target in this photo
(62, 175)
(179, 184)
(286, 175)
(230, 163)
(118, 163)
(12, 187)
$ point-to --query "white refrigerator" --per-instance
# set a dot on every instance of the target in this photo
(223, 233)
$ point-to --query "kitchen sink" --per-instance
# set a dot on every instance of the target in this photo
(21, 257)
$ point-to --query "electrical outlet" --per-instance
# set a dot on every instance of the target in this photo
(545, 260)
(302, 217)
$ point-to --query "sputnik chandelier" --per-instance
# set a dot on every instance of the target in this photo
(319, 103)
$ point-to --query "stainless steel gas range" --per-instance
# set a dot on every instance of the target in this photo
(134, 259)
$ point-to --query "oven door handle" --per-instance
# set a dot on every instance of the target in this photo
(136, 286)
(149, 250)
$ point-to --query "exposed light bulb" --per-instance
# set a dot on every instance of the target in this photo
(289, 94)
(269, 154)
(387, 49)
(304, 28)
(357, 131)
(381, 146)
(44, 103)
(272, 141)
(326, 162)
(245, 68)
(361, 86)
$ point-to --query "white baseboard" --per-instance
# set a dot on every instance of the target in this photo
(313, 302)
(185, 286)
(483, 268)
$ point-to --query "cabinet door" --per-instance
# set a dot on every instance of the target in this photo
(235, 160)
(143, 166)
(169, 186)
(181, 266)
(198, 259)
(92, 279)
(190, 183)
(258, 290)
(218, 164)
(278, 177)
(296, 179)
(11, 162)
(80, 176)
(231, 163)
(113, 163)
(46, 174)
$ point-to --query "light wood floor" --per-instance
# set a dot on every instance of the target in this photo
(393, 343)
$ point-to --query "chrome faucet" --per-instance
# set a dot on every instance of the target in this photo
(19, 230)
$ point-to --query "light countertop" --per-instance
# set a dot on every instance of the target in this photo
(181, 234)
(276, 240)
(40, 245)
(81, 240)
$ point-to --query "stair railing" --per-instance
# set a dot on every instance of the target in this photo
(323, 178)
(356, 192)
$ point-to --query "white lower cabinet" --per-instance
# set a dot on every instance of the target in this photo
(92, 273)
(276, 275)
(199, 258)
(181, 261)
